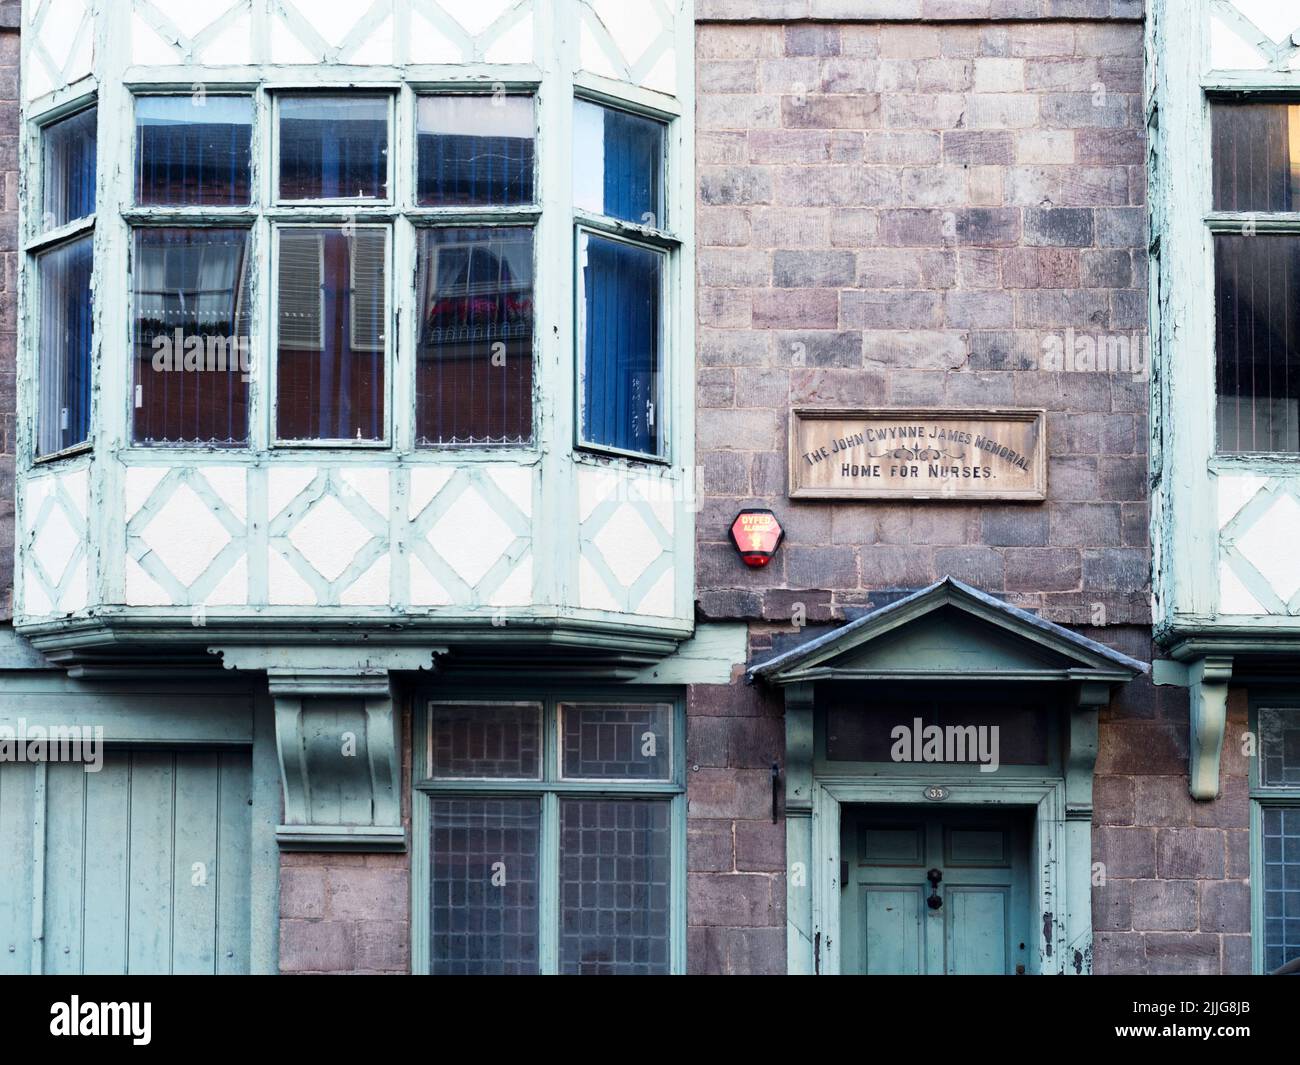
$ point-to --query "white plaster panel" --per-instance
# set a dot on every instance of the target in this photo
(1277, 18)
(148, 47)
(1269, 546)
(329, 537)
(54, 551)
(517, 588)
(426, 482)
(188, 16)
(593, 593)
(55, 543)
(140, 484)
(141, 589)
(629, 41)
(430, 45)
(1233, 596)
(371, 485)
(1229, 52)
(516, 484)
(424, 588)
(232, 589)
(229, 483)
(371, 588)
(627, 544)
(284, 485)
(185, 535)
(659, 600)
(513, 45)
(1235, 491)
(286, 588)
(230, 46)
(470, 537)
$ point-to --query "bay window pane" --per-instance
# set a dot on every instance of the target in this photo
(483, 886)
(65, 332)
(475, 150)
(615, 889)
(333, 147)
(502, 740)
(332, 333)
(616, 742)
(618, 164)
(193, 150)
(474, 359)
(1281, 861)
(193, 353)
(1256, 156)
(68, 150)
(1257, 312)
(620, 330)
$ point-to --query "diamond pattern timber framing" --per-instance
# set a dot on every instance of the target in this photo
(1254, 35)
(626, 541)
(630, 42)
(55, 560)
(60, 44)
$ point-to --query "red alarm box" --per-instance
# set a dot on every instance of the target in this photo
(757, 534)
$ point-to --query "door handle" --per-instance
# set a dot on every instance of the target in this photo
(934, 901)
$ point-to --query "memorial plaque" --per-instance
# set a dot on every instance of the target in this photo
(917, 454)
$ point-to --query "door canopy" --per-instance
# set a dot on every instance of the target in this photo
(949, 631)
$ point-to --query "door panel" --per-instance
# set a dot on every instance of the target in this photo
(887, 926)
(144, 868)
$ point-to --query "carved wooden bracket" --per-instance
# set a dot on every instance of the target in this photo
(1208, 679)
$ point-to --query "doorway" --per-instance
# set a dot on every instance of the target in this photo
(931, 892)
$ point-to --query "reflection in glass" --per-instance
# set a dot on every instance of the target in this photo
(333, 147)
(68, 151)
(474, 360)
(475, 150)
(618, 164)
(616, 742)
(468, 740)
(1256, 153)
(193, 352)
(332, 328)
(193, 150)
(65, 333)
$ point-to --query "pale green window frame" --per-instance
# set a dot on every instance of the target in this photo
(37, 241)
(1262, 798)
(550, 788)
(661, 239)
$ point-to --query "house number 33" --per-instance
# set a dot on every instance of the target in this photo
(936, 793)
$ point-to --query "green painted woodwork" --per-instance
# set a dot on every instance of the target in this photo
(142, 867)
(1271, 697)
(983, 924)
(915, 647)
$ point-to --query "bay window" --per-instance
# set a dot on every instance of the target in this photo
(551, 830)
(1256, 231)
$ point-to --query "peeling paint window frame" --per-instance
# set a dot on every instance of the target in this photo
(661, 239)
(40, 239)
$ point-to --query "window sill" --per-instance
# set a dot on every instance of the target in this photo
(84, 448)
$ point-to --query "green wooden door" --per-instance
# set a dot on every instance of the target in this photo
(888, 926)
(142, 867)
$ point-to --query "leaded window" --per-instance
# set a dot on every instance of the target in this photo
(1275, 822)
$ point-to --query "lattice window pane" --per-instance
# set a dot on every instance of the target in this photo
(1279, 747)
(472, 740)
(67, 322)
(483, 906)
(333, 147)
(616, 742)
(1281, 845)
(475, 150)
(69, 150)
(332, 322)
(618, 164)
(192, 346)
(474, 361)
(193, 150)
(614, 886)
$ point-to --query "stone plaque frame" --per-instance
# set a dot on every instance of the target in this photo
(1026, 427)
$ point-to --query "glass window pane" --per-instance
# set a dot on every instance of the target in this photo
(1279, 747)
(193, 150)
(485, 740)
(193, 353)
(617, 742)
(333, 147)
(475, 150)
(474, 362)
(615, 888)
(65, 331)
(483, 909)
(1256, 153)
(1257, 309)
(333, 320)
(68, 147)
(620, 333)
(618, 163)
(1281, 859)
